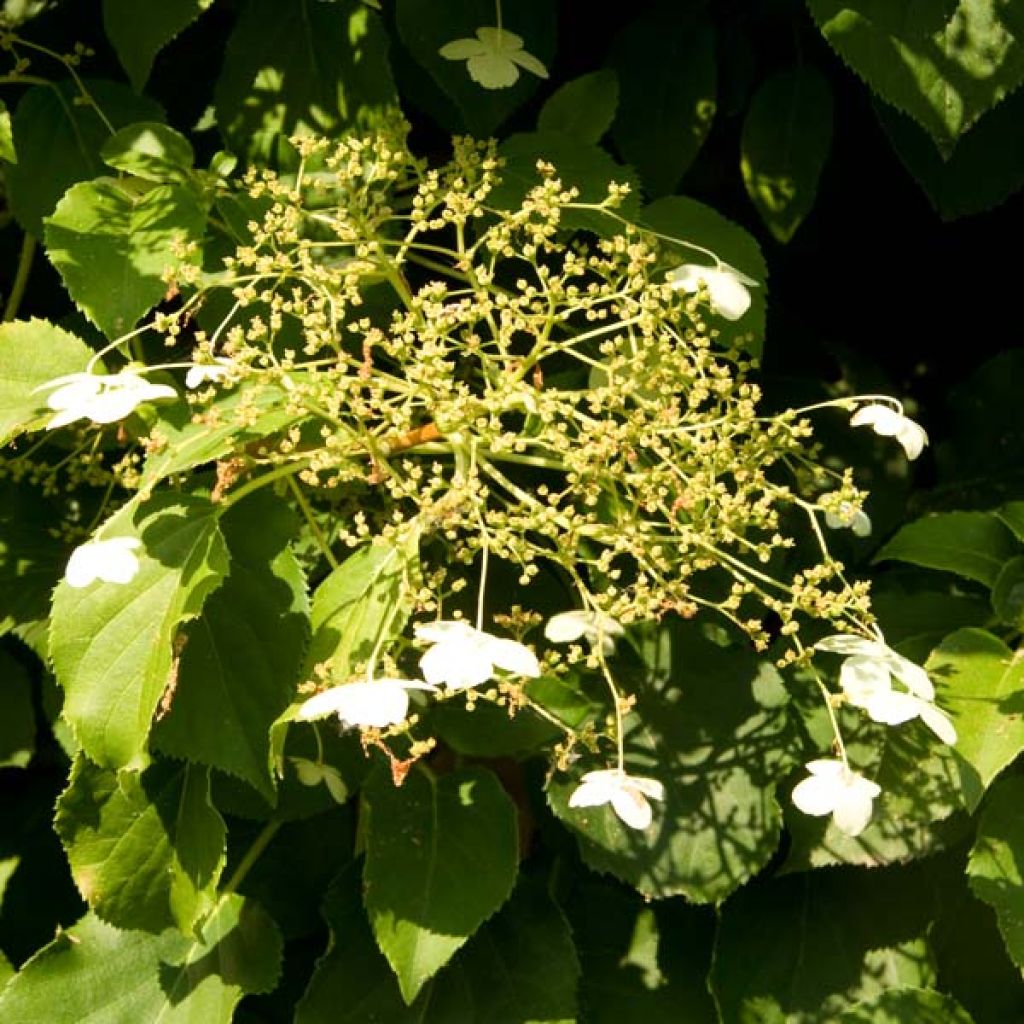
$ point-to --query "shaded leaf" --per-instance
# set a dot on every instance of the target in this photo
(898, 1005)
(970, 544)
(441, 857)
(98, 973)
(665, 61)
(583, 108)
(1008, 593)
(112, 245)
(239, 665)
(18, 721)
(140, 29)
(146, 850)
(6, 136)
(786, 138)
(112, 644)
(58, 141)
(1012, 514)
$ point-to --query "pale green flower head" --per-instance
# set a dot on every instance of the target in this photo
(494, 58)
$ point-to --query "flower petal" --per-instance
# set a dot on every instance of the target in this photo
(595, 789)
(913, 438)
(863, 679)
(938, 721)
(632, 807)
(565, 627)
(853, 812)
(892, 708)
(462, 49)
(444, 630)
(499, 40)
(458, 663)
(815, 795)
(649, 787)
(882, 419)
(529, 62)
(492, 70)
(513, 656)
(849, 643)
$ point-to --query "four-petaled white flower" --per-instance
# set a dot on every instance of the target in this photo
(462, 656)
(313, 773)
(200, 373)
(565, 627)
(833, 788)
(112, 561)
(888, 422)
(626, 793)
(102, 398)
(492, 58)
(373, 703)
(848, 516)
(866, 678)
(727, 287)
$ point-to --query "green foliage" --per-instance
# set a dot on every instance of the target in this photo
(583, 108)
(18, 725)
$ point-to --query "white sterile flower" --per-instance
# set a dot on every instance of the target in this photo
(867, 681)
(626, 793)
(848, 516)
(887, 422)
(833, 788)
(492, 58)
(565, 627)
(462, 656)
(102, 398)
(369, 704)
(727, 287)
(203, 372)
(312, 773)
(112, 561)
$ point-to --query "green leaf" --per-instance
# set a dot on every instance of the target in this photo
(971, 544)
(33, 352)
(112, 644)
(1012, 515)
(665, 61)
(241, 659)
(18, 721)
(899, 1005)
(689, 221)
(995, 866)
(441, 857)
(97, 973)
(944, 64)
(583, 109)
(1008, 593)
(906, 612)
(300, 68)
(58, 141)
(6, 136)
(151, 151)
(806, 947)
(982, 681)
(787, 134)
(140, 29)
(641, 961)
(112, 243)
(985, 169)
(146, 850)
(424, 33)
(718, 748)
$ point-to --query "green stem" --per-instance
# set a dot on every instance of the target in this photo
(28, 250)
(259, 844)
(288, 469)
(317, 532)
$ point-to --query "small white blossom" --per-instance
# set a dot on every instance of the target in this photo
(102, 398)
(867, 680)
(848, 516)
(565, 627)
(462, 656)
(313, 773)
(887, 422)
(727, 287)
(368, 704)
(833, 788)
(112, 561)
(203, 372)
(626, 793)
(492, 58)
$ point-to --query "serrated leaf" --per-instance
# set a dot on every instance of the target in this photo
(584, 108)
(689, 221)
(981, 680)
(239, 665)
(98, 973)
(146, 850)
(112, 244)
(299, 68)
(786, 138)
(33, 352)
(899, 1005)
(803, 948)
(718, 749)
(944, 64)
(149, 150)
(112, 644)
(971, 544)
(994, 869)
(666, 65)
(424, 34)
(441, 857)
(18, 722)
(140, 29)
(985, 169)
(1008, 593)
(58, 141)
